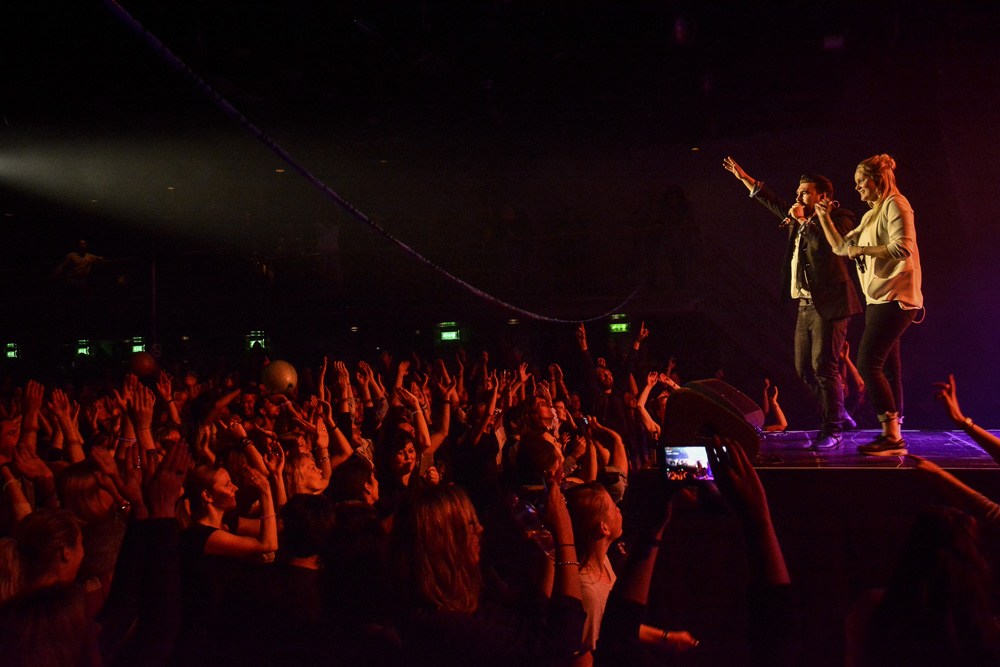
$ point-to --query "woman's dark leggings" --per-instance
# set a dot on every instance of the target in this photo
(878, 356)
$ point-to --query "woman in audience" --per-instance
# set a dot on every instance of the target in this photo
(435, 547)
(211, 549)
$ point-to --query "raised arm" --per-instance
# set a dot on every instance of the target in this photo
(619, 457)
(948, 394)
(739, 485)
(423, 437)
(647, 421)
(31, 406)
(837, 240)
(63, 410)
(224, 543)
(730, 165)
(165, 387)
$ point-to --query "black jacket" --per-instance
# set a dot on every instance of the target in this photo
(829, 282)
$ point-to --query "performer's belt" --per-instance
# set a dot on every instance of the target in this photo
(805, 302)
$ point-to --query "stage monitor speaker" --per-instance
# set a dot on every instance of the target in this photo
(708, 408)
(730, 398)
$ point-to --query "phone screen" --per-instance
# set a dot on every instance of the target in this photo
(686, 463)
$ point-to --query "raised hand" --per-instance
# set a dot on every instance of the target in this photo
(59, 404)
(31, 399)
(164, 488)
(643, 333)
(736, 170)
(140, 407)
(364, 374)
(947, 393)
(343, 376)
(31, 466)
(274, 459)
(581, 336)
(737, 480)
(408, 398)
(165, 385)
(652, 378)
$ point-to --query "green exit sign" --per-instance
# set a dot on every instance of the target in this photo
(450, 335)
(619, 327)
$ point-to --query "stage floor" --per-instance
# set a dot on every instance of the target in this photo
(953, 450)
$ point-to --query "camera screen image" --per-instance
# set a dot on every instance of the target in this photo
(686, 463)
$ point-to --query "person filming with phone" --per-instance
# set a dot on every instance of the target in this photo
(818, 279)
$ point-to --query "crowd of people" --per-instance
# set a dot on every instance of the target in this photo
(398, 512)
(412, 511)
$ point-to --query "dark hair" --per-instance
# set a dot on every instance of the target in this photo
(535, 456)
(822, 183)
(45, 628)
(41, 537)
(308, 521)
(355, 572)
(347, 481)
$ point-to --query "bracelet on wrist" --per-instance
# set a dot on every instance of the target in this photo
(126, 439)
(7, 483)
(568, 562)
(967, 423)
(269, 516)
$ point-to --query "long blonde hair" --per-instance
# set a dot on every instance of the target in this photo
(880, 168)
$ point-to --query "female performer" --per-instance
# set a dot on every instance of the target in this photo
(884, 246)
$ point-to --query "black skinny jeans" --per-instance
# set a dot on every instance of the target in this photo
(878, 356)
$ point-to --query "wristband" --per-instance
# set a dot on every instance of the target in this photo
(126, 439)
(967, 423)
(568, 562)
(7, 483)
(269, 516)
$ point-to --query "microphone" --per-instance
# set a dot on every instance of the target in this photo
(859, 260)
(791, 217)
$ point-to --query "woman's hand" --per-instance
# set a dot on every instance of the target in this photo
(275, 460)
(257, 480)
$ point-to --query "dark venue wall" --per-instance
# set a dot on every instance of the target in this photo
(555, 155)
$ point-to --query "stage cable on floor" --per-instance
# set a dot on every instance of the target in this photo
(161, 49)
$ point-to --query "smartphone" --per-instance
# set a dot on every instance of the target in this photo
(686, 463)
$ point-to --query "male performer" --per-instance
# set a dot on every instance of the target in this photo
(819, 281)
